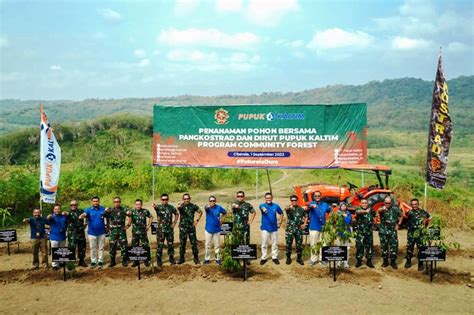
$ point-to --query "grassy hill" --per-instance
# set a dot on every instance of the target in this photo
(398, 104)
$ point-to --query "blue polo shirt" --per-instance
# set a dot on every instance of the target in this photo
(317, 216)
(95, 218)
(213, 224)
(269, 219)
(57, 224)
(37, 226)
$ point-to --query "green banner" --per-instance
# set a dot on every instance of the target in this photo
(260, 136)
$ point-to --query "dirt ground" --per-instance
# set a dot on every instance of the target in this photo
(270, 289)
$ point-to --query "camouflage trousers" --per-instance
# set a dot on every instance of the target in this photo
(364, 243)
(118, 236)
(184, 234)
(245, 231)
(160, 240)
(389, 244)
(298, 237)
(77, 241)
(140, 240)
(411, 241)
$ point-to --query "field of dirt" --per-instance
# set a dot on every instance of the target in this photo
(270, 288)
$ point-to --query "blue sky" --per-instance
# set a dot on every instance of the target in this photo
(117, 49)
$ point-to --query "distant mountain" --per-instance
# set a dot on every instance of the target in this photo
(397, 104)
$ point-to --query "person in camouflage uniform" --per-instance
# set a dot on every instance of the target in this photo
(365, 217)
(416, 218)
(389, 216)
(297, 219)
(118, 231)
(187, 227)
(166, 224)
(140, 219)
(76, 236)
(244, 214)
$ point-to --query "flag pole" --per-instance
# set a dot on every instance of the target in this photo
(426, 195)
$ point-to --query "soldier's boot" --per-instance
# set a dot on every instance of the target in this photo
(135, 263)
(299, 260)
(181, 260)
(358, 263)
(288, 259)
(393, 264)
(385, 263)
(370, 264)
(196, 260)
(408, 263)
(82, 263)
(124, 262)
(159, 262)
(421, 267)
(172, 261)
(112, 262)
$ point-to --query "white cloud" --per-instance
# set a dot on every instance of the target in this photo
(140, 53)
(208, 38)
(110, 15)
(457, 47)
(296, 44)
(181, 55)
(4, 43)
(185, 6)
(196, 60)
(144, 63)
(229, 5)
(56, 68)
(337, 38)
(405, 43)
(270, 12)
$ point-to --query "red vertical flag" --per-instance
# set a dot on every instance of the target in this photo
(439, 136)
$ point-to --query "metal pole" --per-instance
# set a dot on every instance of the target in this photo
(363, 181)
(426, 194)
(153, 183)
(334, 270)
(8, 246)
(64, 271)
(256, 184)
(431, 272)
(269, 184)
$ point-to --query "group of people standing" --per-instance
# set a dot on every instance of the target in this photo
(116, 219)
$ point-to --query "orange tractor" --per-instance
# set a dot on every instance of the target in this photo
(375, 194)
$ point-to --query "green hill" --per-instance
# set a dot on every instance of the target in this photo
(398, 104)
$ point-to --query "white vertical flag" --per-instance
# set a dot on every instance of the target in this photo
(50, 161)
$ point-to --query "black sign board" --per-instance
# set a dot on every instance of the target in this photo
(63, 254)
(244, 251)
(154, 228)
(226, 228)
(138, 254)
(7, 236)
(334, 253)
(431, 253)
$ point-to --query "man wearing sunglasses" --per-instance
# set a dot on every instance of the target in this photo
(244, 214)
(76, 236)
(389, 216)
(165, 213)
(416, 217)
(116, 217)
(215, 216)
(187, 227)
(295, 224)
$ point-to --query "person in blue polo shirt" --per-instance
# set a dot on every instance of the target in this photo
(38, 237)
(215, 215)
(96, 231)
(317, 217)
(58, 224)
(272, 216)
